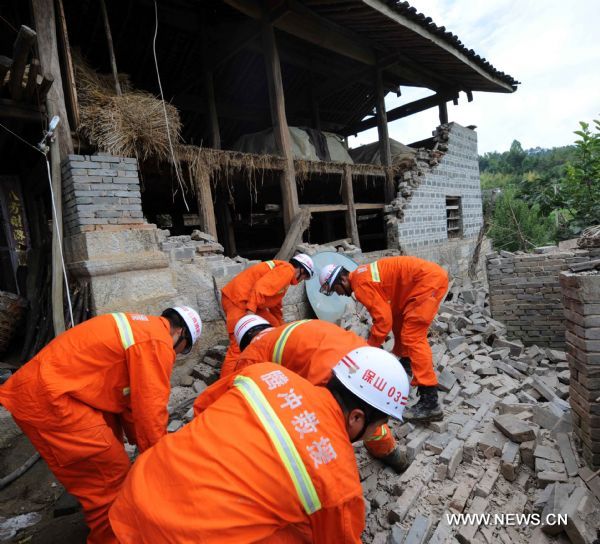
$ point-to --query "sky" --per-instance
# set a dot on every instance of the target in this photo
(551, 46)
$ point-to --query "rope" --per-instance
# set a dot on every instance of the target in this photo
(175, 162)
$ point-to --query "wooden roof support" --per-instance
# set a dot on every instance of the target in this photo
(289, 191)
(45, 26)
(405, 110)
(111, 50)
(71, 90)
(384, 137)
(22, 46)
(348, 200)
(443, 109)
(206, 209)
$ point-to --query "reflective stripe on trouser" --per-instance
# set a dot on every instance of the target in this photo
(270, 264)
(375, 272)
(124, 329)
(95, 480)
(283, 443)
(282, 340)
(381, 443)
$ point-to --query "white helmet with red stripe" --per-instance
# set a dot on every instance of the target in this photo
(305, 262)
(245, 324)
(376, 377)
(192, 322)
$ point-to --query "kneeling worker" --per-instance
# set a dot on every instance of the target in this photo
(285, 473)
(260, 290)
(403, 295)
(310, 348)
(75, 397)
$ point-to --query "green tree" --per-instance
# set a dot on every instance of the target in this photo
(516, 226)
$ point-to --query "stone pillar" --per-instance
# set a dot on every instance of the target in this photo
(581, 299)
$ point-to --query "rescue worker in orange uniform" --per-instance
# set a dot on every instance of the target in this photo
(260, 290)
(310, 348)
(403, 295)
(75, 397)
(287, 474)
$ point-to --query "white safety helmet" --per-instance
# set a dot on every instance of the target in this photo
(376, 377)
(327, 277)
(193, 323)
(305, 262)
(245, 324)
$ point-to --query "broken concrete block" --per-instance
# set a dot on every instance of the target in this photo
(547, 477)
(446, 380)
(485, 486)
(508, 369)
(567, 454)
(405, 502)
(452, 456)
(381, 498)
(419, 530)
(462, 494)
(453, 342)
(416, 444)
(515, 429)
(397, 534)
(526, 450)
(466, 533)
(509, 462)
(543, 465)
(546, 415)
(546, 452)
(515, 348)
(437, 442)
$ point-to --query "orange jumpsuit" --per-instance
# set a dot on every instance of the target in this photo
(403, 295)
(311, 348)
(286, 475)
(260, 290)
(73, 396)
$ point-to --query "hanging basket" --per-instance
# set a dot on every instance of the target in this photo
(12, 309)
(590, 237)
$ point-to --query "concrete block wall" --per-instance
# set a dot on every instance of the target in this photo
(525, 293)
(581, 300)
(457, 174)
(100, 191)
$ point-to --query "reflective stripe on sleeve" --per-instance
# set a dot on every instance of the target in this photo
(282, 441)
(282, 340)
(377, 437)
(124, 330)
(375, 272)
(270, 264)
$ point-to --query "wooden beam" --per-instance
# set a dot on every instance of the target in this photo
(9, 109)
(294, 234)
(384, 138)
(443, 110)
(402, 111)
(415, 27)
(45, 26)
(22, 46)
(325, 208)
(31, 87)
(71, 90)
(206, 209)
(111, 51)
(289, 191)
(348, 199)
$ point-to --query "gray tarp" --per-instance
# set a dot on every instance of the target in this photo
(369, 154)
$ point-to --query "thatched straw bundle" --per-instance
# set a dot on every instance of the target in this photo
(130, 125)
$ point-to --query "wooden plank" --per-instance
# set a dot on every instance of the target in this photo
(31, 87)
(44, 86)
(443, 110)
(384, 137)
(45, 26)
(323, 208)
(22, 46)
(348, 199)
(71, 89)
(294, 235)
(111, 50)
(289, 190)
(9, 109)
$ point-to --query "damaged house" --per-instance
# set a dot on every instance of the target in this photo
(248, 150)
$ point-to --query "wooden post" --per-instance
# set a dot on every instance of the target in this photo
(443, 109)
(71, 90)
(22, 46)
(58, 316)
(111, 51)
(289, 191)
(384, 138)
(206, 209)
(45, 26)
(348, 199)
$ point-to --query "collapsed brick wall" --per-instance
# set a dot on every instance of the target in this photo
(581, 299)
(525, 293)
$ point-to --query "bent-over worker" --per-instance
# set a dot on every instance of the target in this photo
(403, 295)
(75, 397)
(260, 290)
(287, 474)
(310, 348)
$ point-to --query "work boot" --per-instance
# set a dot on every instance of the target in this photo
(428, 408)
(396, 460)
(405, 362)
